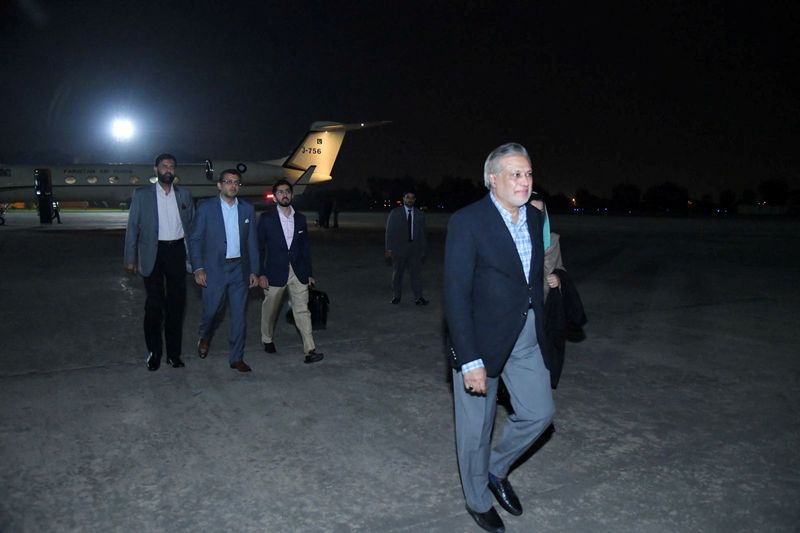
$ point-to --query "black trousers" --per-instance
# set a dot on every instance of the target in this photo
(166, 299)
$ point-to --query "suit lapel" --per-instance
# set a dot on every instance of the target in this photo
(154, 199)
(242, 227)
(535, 231)
(502, 236)
(217, 220)
(296, 227)
(279, 228)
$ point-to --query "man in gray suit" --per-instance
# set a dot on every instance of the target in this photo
(494, 305)
(406, 239)
(160, 218)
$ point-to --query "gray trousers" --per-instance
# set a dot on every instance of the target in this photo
(528, 384)
(412, 260)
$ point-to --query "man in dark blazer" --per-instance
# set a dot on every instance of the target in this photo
(285, 262)
(224, 255)
(158, 223)
(406, 240)
(494, 308)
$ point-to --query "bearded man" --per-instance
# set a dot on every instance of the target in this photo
(160, 218)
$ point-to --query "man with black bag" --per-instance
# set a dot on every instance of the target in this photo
(285, 262)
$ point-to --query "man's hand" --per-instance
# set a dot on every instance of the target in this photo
(130, 268)
(200, 277)
(387, 256)
(475, 381)
(253, 280)
(263, 282)
(311, 281)
(553, 281)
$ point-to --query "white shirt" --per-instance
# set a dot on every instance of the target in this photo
(287, 223)
(230, 216)
(170, 227)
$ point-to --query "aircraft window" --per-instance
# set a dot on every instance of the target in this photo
(92, 179)
(134, 179)
(153, 179)
(70, 180)
(113, 179)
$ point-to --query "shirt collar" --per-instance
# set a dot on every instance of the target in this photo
(523, 213)
(225, 204)
(291, 212)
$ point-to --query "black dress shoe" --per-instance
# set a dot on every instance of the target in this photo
(421, 301)
(490, 520)
(313, 357)
(504, 493)
(395, 301)
(175, 362)
(153, 361)
(269, 347)
(241, 366)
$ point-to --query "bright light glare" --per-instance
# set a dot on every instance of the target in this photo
(122, 129)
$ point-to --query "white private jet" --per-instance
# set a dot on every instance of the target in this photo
(311, 162)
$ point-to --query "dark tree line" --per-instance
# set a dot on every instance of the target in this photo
(453, 192)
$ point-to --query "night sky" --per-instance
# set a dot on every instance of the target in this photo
(703, 94)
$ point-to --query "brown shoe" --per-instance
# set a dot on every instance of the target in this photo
(241, 366)
(202, 347)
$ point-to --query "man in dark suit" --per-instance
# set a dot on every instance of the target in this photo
(159, 220)
(225, 259)
(406, 240)
(285, 262)
(494, 307)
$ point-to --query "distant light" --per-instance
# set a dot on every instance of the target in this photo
(122, 129)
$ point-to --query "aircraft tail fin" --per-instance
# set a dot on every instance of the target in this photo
(300, 184)
(319, 149)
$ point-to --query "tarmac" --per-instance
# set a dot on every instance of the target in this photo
(678, 409)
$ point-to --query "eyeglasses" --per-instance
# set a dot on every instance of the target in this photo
(515, 175)
(283, 192)
(237, 183)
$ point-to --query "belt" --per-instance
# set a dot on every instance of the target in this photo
(232, 259)
(171, 243)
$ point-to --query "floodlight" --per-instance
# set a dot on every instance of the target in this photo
(122, 129)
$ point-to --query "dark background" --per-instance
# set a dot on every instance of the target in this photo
(701, 94)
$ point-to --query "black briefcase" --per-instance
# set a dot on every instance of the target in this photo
(318, 303)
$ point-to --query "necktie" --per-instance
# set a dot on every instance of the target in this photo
(410, 227)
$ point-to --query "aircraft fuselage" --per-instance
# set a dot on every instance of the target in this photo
(115, 183)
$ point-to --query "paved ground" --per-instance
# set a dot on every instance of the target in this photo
(678, 412)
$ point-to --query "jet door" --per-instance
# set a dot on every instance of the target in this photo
(43, 184)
